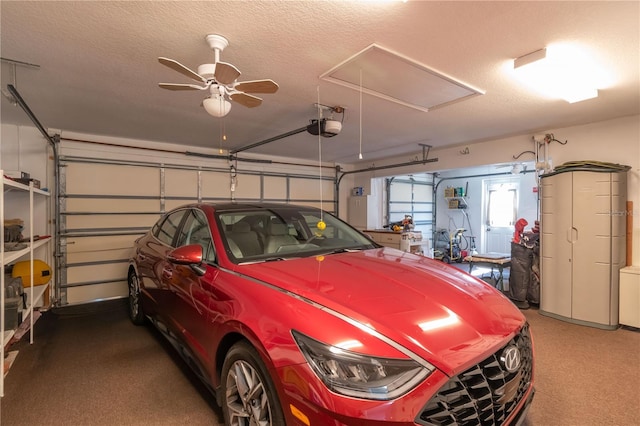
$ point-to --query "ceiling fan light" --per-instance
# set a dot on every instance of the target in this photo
(217, 106)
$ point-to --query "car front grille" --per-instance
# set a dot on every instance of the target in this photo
(485, 394)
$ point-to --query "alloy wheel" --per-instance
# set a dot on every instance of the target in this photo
(246, 398)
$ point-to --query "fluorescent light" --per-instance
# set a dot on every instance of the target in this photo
(560, 71)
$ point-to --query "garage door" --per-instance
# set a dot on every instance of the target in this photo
(105, 204)
(412, 195)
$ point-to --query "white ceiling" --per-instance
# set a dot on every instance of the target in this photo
(99, 70)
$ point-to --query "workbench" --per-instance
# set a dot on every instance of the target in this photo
(492, 260)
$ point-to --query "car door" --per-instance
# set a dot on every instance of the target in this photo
(190, 288)
(152, 259)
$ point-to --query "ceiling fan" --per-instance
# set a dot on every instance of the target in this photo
(221, 79)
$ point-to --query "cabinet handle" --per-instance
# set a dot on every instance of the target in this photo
(572, 235)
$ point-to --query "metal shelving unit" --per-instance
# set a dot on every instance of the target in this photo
(34, 293)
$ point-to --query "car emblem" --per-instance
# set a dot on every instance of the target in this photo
(510, 358)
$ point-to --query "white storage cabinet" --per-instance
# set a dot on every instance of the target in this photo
(582, 246)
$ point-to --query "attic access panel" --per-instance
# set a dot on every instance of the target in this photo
(397, 78)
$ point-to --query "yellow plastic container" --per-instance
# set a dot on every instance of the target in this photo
(41, 272)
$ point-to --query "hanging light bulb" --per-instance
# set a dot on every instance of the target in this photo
(216, 105)
(223, 135)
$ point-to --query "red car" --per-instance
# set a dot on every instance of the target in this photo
(293, 317)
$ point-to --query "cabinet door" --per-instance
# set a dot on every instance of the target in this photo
(591, 247)
(357, 212)
(556, 206)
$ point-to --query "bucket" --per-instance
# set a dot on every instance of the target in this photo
(41, 272)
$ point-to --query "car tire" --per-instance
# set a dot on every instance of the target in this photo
(136, 314)
(249, 396)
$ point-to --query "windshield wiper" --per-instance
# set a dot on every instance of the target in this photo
(346, 250)
(273, 259)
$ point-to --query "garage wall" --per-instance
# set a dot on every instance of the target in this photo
(472, 217)
(616, 141)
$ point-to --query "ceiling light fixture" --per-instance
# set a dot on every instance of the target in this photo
(217, 105)
(559, 71)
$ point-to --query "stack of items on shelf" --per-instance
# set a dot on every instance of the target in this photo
(405, 224)
(524, 279)
(13, 301)
(25, 179)
(13, 234)
(412, 242)
(17, 278)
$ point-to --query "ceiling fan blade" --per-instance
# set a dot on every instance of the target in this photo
(245, 99)
(176, 86)
(177, 66)
(257, 86)
(226, 73)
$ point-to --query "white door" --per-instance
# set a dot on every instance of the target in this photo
(500, 215)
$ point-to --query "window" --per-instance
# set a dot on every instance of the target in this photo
(503, 205)
(167, 230)
(196, 231)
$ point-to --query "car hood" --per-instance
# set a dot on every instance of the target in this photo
(435, 310)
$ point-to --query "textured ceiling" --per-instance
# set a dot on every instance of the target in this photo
(99, 70)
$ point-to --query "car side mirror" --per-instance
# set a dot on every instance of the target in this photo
(188, 255)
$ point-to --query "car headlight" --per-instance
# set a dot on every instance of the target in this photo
(360, 376)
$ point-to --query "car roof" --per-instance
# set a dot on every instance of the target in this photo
(230, 207)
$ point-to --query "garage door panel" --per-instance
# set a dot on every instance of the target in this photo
(182, 183)
(248, 187)
(402, 191)
(275, 188)
(109, 179)
(172, 204)
(309, 189)
(423, 194)
(96, 292)
(104, 272)
(89, 222)
(104, 256)
(109, 205)
(92, 249)
(326, 206)
(215, 184)
(102, 243)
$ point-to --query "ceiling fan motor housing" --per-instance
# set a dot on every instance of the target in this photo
(207, 70)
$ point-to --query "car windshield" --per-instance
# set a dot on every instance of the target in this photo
(256, 235)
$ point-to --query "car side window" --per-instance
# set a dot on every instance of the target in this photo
(169, 227)
(196, 231)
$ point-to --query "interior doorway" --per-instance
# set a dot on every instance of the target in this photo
(500, 214)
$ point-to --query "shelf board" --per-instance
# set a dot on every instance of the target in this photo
(8, 362)
(11, 256)
(8, 334)
(12, 184)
